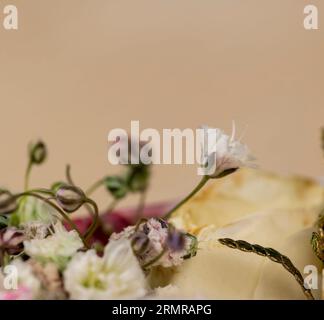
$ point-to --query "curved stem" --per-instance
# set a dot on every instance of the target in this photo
(27, 175)
(68, 175)
(155, 259)
(95, 186)
(190, 195)
(139, 222)
(112, 206)
(42, 190)
(57, 208)
(99, 221)
(95, 214)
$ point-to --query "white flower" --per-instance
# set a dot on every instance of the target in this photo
(124, 234)
(223, 152)
(58, 247)
(116, 275)
(19, 282)
(33, 209)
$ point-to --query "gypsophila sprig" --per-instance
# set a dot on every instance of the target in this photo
(221, 155)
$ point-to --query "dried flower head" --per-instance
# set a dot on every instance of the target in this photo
(36, 230)
(156, 243)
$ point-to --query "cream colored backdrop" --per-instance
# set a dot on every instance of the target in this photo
(76, 69)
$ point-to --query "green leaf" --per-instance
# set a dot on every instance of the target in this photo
(3, 221)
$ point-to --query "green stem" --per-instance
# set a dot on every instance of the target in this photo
(95, 186)
(141, 205)
(27, 175)
(68, 175)
(190, 195)
(41, 190)
(112, 206)
(97, 220)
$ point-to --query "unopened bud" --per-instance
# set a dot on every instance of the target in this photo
(56, 185)
(8, 202)
(11, 240)
(70, 198)
(138, 178)
(116, 186)
(38, 153)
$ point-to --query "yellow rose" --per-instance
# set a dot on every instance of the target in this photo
(257, 207)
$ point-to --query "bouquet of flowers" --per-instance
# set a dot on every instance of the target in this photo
(47, 254)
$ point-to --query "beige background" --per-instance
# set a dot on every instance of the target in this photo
(76, 69)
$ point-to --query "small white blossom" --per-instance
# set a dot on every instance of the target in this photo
(124, 234)
(58, 247)
(116, 275)
(223, 152)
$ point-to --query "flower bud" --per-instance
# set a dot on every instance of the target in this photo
(70, 198)
(8, 202)
(11, 240)
(138, 178)
(116, 186)
(56, 185)
(38, 153)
